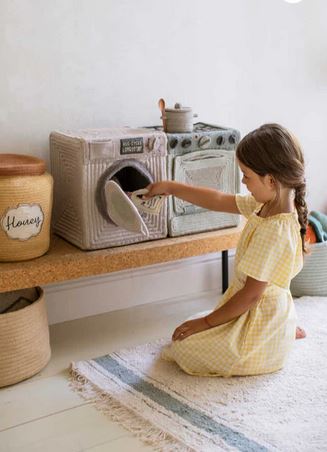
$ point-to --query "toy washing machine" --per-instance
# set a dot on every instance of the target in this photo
(94, 170)
(204, 157)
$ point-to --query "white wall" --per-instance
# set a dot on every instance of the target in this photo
(96, 63)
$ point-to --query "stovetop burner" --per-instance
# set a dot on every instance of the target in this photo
(203, 127)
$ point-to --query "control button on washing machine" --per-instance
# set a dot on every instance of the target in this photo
(204, 142)
(122, 211)
(186, 143)
(232, 139)
(220, 140)
(153, 143)
(173, 143)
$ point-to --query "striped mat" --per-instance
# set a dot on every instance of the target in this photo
(172, 411)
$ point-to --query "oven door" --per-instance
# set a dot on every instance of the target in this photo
(210, 168)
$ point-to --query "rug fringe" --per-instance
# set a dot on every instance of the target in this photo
(159, 440)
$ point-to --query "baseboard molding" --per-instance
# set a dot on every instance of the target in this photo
(197, 276)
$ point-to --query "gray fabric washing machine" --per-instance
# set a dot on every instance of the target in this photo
(82, 164)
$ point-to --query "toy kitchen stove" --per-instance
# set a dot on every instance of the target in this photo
(204, 157)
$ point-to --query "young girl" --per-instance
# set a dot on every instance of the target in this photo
(253, 328)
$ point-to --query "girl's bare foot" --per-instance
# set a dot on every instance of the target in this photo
(300, 333)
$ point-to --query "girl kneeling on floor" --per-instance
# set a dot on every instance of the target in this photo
(253, 328)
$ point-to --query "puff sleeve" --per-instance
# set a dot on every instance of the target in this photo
(246, 204)
(274, 253)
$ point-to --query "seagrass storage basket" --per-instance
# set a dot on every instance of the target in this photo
(25, 207)
(24, 335)
(312, 279)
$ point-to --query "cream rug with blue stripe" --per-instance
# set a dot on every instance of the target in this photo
(172, 411)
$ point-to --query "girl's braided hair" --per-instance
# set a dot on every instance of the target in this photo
(271, 149)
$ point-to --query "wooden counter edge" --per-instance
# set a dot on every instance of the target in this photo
(64, 262)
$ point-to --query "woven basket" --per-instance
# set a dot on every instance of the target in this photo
(26, 196)
(312, 279)
(24, 342)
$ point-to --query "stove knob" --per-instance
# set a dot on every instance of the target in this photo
(173, 143)
(186, 143)
(204, 142)
(232, 139)
(220, 140)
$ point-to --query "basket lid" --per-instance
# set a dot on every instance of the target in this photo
(21, 165)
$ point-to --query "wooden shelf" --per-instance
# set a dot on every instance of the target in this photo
(65, 262)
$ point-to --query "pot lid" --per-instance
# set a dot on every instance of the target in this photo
(122, 211)
(21, 165)
(178, 108)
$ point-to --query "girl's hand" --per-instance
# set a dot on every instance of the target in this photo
(157, 188)
(190, 327)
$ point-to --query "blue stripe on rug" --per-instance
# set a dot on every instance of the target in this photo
(193, 416)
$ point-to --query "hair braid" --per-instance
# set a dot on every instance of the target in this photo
(302, 211)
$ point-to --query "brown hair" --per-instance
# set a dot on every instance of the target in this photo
(271, 149)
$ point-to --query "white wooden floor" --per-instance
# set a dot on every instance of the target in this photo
(43, 414)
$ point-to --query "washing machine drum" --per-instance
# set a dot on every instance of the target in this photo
(113, 194)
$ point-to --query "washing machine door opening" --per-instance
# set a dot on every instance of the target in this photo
(131, 179)
(129, 175)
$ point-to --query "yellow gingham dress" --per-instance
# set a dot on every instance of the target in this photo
(257, 342)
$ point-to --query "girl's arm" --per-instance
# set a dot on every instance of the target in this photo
(207, 198)
(237, 305)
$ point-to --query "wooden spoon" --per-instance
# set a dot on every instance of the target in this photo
(162, 105)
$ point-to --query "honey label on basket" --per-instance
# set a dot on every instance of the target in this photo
(22, 222)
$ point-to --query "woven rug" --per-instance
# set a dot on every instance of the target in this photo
(172, 411)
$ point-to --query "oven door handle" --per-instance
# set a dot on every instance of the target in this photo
(202, 157)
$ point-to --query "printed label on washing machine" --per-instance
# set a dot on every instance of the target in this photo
(23, 222)
(131, 146)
